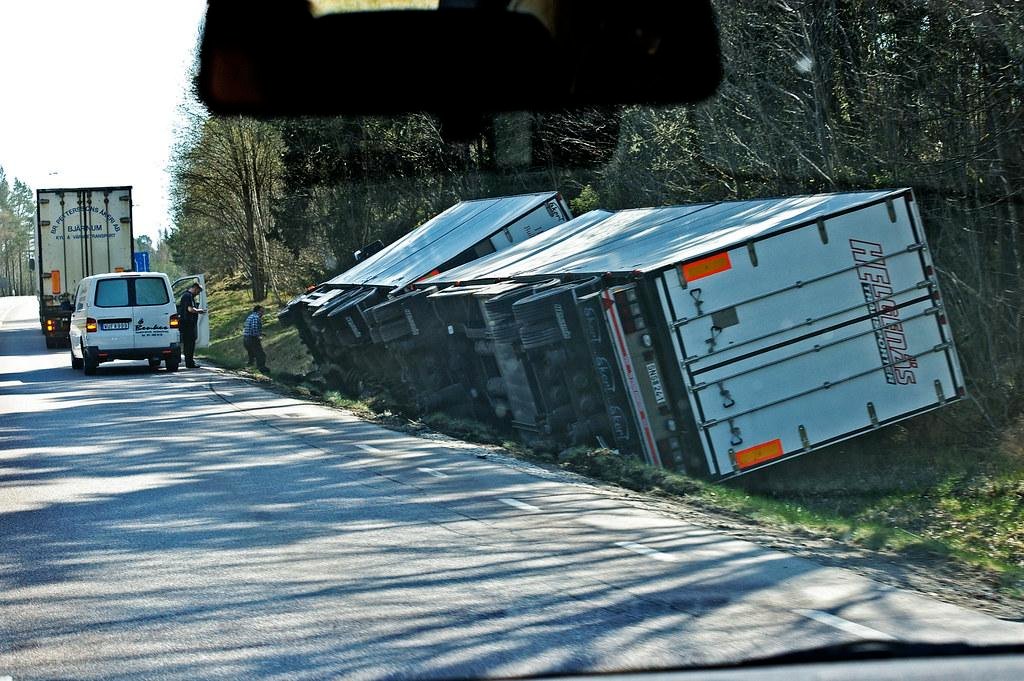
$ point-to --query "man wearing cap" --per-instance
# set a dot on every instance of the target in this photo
(188, 315)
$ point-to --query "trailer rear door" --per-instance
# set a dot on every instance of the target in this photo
(810, 336)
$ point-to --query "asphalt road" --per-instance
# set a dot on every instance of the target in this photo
(195, 526)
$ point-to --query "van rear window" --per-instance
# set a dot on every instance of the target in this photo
(112, 293)
(151, 291)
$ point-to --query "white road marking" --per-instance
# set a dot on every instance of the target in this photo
(845, 625)
(522, 506)
(647, 551)
(370, 449)
(431, 471)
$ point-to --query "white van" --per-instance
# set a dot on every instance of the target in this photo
(129, 315)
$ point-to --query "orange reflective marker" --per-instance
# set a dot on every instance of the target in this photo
(705, 267)
(55, 281)
(766, 451)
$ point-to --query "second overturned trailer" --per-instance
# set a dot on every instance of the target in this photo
(335, 320)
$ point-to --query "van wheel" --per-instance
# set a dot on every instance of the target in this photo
(172, 364)
(76, 363)
(154, 363)
(90, 364)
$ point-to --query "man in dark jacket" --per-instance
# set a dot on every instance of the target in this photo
(188, 316)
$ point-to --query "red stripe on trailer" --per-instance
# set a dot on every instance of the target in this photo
(650, 447)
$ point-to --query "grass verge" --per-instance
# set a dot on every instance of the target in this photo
(230, 303)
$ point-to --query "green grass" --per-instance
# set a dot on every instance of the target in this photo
(898, 490)
(961, 503)
(229, 306)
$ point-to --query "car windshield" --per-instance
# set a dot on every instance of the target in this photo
(627, 385)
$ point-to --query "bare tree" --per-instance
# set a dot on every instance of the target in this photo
(227, 175)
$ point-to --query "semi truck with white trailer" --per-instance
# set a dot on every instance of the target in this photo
(79, 232)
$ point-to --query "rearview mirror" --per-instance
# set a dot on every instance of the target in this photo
(466, 57)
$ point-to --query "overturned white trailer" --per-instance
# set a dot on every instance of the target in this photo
(721, 337)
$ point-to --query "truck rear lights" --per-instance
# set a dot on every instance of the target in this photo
(50, 326)
(174, 322)
(90, 325)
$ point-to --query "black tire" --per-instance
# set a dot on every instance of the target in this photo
(76, 363)
(172, 364)
(89, 365)
(154, 364)
(51, 343)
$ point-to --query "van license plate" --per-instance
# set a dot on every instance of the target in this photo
(114, 326)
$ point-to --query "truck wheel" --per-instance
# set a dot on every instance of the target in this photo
(90, 364)
(154, 363)
(76, 363)
(172, 364)
(51, 343)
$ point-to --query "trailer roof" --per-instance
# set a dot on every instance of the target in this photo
(648, 239)
(439, 239)
(520, 258)
(68, 190)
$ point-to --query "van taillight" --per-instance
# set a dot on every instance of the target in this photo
(175, 322)
(90, 324)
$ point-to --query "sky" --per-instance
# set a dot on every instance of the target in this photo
(90, 92)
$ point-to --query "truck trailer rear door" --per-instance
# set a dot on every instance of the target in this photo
(812, 335)
(180, 286)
